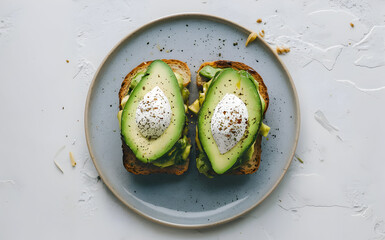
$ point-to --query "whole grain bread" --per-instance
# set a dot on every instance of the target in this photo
(130, 162)
(252, 165)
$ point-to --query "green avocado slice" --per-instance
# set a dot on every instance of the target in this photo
(137, 79)
(229, 81)
(147, 150)
(209, 72)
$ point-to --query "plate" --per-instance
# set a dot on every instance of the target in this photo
(191, 200)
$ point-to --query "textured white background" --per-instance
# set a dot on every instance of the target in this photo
(339, 71)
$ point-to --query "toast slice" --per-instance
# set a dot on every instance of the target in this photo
(130, 162)
(252, 165)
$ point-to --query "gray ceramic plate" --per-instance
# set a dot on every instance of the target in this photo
(191, 200)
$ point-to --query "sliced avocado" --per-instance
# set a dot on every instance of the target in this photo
(124, 101)
(186, 152)
(182, 150)
(183, 82)
(177, 155)
(147, 150)
(201, 98)
(203, 164)
(185, 129)
(247, 155)
(206, 86)
(226, 83)
(248, 75)
(166, 160)
(185, 95)
(169, 162)
(120, 118)
(264, 130)
(194, 107)
(180, 80)
(209, 72)
(137, 79)
(197, 139)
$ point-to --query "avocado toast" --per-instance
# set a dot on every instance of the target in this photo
(232, 102)
(153, 98)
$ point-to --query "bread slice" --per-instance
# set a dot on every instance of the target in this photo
(252, 165)
(130, 162)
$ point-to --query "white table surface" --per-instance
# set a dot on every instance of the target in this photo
(339, 71)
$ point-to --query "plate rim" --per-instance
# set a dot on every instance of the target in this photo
(142, 28)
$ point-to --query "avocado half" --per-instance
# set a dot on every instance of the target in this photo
(147, 150)
(229, 81)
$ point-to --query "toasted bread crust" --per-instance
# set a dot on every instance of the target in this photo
(130, 162)
(252, 165)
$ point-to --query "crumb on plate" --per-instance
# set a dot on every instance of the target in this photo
(262, 33)
(298, 158)
(282, 50)
(73, 162)
(58, 166)
(251, 38)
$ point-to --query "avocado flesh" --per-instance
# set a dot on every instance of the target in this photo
(209, 72)
(194, 107)
(180, 80)
(136, 79)
(248, 75)
(203, 165)
(264, 130)
(232, 82)
(147, 150)
(177, 155)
